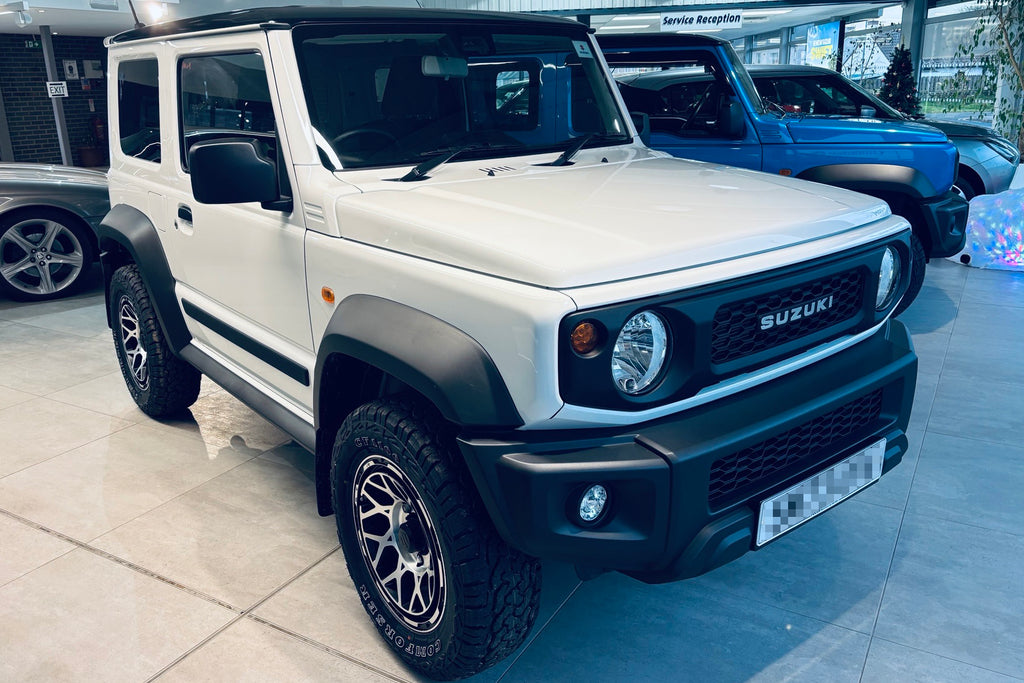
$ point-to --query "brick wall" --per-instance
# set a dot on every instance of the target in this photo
(29, 111)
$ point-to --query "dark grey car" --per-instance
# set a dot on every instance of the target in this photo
(48, 216)
(988, 161)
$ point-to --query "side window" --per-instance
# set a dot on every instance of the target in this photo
(504, 96)
(138, 108)
(225, 95)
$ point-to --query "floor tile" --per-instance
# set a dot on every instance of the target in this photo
(924, 397)
(68, 360)
(236, 538)
(323, 605)
(616, 629)
(107, 394)
(996, 360)
(934, 315)
(10, 397)
(833, 568)
(99, 621)
(997, 287)
(931, 349)
(251, 651)
(956, 590)
(888, 662)
(25, 548)
(100, 486)
(40, 429)
(987, 411)
(219, 419)
(969, 481)
(984, 322)
(81, 318)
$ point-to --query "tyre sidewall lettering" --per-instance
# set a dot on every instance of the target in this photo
(403, 640)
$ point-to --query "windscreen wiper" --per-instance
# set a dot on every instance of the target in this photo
(576, 144)
(443, 156)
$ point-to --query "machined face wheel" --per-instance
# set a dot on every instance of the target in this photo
(131, 342)
(40, 257)
(399, 544)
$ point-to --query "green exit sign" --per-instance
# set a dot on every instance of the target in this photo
(33, 44)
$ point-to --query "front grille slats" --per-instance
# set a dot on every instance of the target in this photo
(759, 464)
(736, 331)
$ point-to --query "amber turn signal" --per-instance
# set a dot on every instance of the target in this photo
(328, 294)
(785, 171)
(585, 337)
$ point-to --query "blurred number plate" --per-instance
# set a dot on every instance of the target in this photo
(811, 497)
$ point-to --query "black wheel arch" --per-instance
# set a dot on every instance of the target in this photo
(374, 347)
(126, 235)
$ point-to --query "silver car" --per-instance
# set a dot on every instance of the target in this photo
(987, 159)
(48, 216)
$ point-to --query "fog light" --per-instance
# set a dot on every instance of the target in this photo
(592, 503)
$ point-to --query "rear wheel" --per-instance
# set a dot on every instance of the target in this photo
(160, 383)
(447, 594)
(963, 187)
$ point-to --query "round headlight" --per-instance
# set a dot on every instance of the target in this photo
(888, 278)
(639, 353)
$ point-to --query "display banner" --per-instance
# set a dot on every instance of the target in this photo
(692, 21)
(823, 45)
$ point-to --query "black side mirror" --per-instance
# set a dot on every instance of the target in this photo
(867, 112)
(731, 122)
(643, 125)
(232, 171)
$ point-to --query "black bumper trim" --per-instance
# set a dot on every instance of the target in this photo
(660, 526)
(945, 219)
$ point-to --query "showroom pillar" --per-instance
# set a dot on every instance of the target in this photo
(6, 148)
(58, 102)
(914, 14)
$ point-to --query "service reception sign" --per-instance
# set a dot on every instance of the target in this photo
(823, 45)
(702, 21)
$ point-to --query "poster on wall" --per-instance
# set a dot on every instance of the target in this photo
(822, 45)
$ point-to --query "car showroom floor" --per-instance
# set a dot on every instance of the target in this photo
(133, 550)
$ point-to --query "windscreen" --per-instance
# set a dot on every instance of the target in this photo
(396, 98)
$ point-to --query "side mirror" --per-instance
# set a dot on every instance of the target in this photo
(867, 112)
(731, 122)
(232, 171)
(643, 125)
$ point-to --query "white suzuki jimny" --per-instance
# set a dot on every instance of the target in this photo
(432, 248)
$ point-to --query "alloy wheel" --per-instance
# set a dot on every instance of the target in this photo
(40, 257)
(131, 342)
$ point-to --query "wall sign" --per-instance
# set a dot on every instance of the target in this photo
(71, 69)
(57, 88)
(710, 19)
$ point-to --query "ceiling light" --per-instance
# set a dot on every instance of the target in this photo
(22, 18)
(629, 27)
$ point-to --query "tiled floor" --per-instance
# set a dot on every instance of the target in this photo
(133, 550)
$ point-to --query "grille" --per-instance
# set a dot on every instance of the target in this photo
(736, 329)
(760, 462)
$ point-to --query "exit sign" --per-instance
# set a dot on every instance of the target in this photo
(57, 88)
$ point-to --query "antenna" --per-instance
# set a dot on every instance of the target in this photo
(138, 24)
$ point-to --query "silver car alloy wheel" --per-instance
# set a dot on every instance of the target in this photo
(131, 342)
(40, 256)
(398, 543)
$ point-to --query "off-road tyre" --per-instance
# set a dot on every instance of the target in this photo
(396, 476)
(917, 267)
(43, 241)
(161, 384)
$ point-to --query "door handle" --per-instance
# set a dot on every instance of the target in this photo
(185, 213)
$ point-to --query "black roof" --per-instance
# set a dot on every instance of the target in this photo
(621, 41)
(786, 69)
(287, 17)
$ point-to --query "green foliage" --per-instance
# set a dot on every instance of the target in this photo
(999, 35)
(898, 87)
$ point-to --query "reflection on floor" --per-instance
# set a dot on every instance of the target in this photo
(132, 549)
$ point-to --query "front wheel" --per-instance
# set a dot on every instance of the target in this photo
(917, 265)
(446, 593)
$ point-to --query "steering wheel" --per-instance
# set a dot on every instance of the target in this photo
(391, 139)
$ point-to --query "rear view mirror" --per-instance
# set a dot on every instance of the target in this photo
(444, 67)
(867, 112)
(731, 122)
(231, 171)
(643, 125)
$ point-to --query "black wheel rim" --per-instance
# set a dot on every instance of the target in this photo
(131, 343)
(399, 544)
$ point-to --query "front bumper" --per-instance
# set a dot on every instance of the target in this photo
(684, 490)
(945, 225)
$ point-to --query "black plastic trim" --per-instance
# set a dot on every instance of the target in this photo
(246, 343)
(128, 228)
(661, 527)
(946, 221)
(874, 178)
(447, 366)
(296, 427)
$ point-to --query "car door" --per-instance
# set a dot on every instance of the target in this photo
(242, 281)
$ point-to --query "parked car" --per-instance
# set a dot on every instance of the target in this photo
(702, 104)
(48, 219)
(504, 328)
(987, 160)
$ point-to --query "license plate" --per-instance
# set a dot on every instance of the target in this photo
(791, 508)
